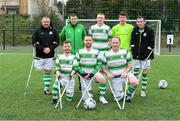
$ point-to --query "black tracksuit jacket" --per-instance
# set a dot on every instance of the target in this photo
(142, 43)
(45, 37)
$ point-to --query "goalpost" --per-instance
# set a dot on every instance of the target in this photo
(154, 24)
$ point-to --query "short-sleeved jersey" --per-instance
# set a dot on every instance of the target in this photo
(124, 33)
(116, 62)
(88, 60)
(65, 63)
(101, 36)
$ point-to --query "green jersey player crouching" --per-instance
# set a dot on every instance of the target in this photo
(117, 66)
(64, 72)
(88, 68)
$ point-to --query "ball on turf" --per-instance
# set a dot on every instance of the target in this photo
(89, 104)
(163, 84)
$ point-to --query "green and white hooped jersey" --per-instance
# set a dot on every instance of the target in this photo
(88, 60)
(101, 36)
(116, 62)
(65, 63)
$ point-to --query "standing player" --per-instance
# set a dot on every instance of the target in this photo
(45, 40)
(117, 66)
(64, 71)
(89, 65)
(123, 30)
(73, 32)
(142, 44)
(101, 34)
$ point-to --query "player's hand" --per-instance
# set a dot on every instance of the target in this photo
(91, 75)
(70, 77)
(110, 76)
(84, 74)
(46, 50)
(124, 74)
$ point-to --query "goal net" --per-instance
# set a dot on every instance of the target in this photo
(154, 24)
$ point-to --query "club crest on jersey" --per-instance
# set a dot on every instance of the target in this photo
(69, 32)
(79, 30)
(50, 32)
(145, 34)
(126, 30)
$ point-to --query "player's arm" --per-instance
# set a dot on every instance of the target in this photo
(128, 67)
(150, 46)
(105, 68)
(35, 41)
(55, 42)
(57, 68)
(77, 67)
(63, 34)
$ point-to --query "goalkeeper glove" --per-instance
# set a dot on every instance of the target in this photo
(91, 75)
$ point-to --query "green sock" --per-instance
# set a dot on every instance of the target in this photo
(136, 71)
(47, 81)
(102, 89)
(144, 82)
(130, 90)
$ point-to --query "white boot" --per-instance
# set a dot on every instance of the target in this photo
(103, 100)
(143, 93)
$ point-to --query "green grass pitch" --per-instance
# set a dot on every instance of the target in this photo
(160, 104)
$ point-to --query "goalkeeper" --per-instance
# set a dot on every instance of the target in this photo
(142, 44)
(123, 30)
(89, 65)
(64, 71)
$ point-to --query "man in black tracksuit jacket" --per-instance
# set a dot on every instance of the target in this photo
(45, 39)
(142, 45)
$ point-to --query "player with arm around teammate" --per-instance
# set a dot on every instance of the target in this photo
(142, 45)
(89, 66)
(64, 72)
(117, 66)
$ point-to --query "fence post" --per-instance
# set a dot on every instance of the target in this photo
(4, 39)
(13, 30)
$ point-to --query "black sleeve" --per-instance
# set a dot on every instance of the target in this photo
(55, 42)
(150, 46)
(133, 50)
(35, 41)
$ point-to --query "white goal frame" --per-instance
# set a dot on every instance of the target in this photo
(157, 43)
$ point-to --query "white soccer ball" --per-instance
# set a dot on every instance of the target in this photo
(89, 104)
(163, 84)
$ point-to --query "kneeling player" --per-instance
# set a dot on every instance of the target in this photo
(64, 72)
(117, 65)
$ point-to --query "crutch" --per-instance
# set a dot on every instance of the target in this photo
(59, 102)
(125, 89)
(140, 74)
(29, 77)
(85, 91)
(113, 92)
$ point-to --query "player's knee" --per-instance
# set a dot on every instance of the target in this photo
(145, 71)
(134, 81)
(47, 71)
(100, 78)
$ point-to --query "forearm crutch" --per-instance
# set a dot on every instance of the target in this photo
(113, 92)
(85, 90)
(30, 71)
(59, 102)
